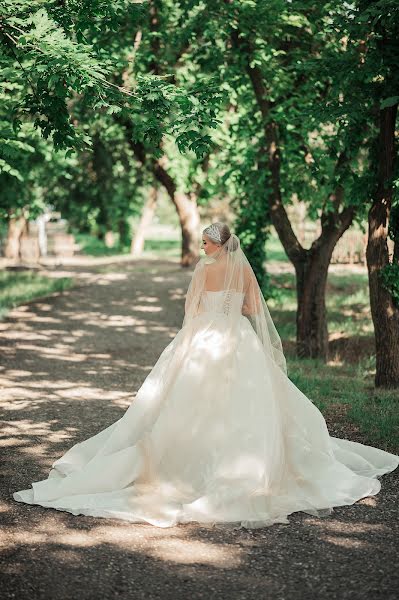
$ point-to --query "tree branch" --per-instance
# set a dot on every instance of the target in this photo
(280, 220)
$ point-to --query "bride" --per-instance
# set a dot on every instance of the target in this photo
(217, 433)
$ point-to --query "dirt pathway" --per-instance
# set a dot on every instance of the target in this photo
(70, 366)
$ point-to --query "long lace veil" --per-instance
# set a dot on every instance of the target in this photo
(228, 272)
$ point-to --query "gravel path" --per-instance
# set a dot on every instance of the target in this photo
(71, 364)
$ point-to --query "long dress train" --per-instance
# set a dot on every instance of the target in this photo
(230, 442)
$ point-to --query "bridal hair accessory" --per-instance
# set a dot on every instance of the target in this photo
(213, 232)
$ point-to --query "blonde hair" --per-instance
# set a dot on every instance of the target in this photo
(219, 233)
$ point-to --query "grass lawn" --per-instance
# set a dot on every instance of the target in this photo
(346, 395)
(17, 287)
(92, 246)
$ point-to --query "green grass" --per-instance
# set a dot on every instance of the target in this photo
(351, 387)
(23, 286)
(163, 247)
(377, 415)
(90, 245)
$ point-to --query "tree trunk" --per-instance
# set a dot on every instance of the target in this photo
(17, 226)
(137, 245)
(124, 232)
(109, 239)
(383, 310)
(311, 318)
(185, 204)
(187, 210)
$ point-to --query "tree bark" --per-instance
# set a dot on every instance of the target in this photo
(187, 210)
(384, 313)
(311, 270)
(17, 226)
(137, 245)
(185, 204)
(190, 223)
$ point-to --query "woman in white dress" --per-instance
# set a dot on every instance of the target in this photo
(217, 433)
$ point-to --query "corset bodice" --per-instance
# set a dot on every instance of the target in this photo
(217, 302)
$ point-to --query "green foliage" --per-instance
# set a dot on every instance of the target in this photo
(390, 279)
(299, 52)
(393, 228)
(20, 287)
(73, 78)
(61, 58)
(91, 245)
(390, 273)
(89, 78)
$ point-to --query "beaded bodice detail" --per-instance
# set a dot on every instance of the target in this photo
(223, 301)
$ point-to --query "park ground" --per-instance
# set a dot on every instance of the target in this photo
(71, 364)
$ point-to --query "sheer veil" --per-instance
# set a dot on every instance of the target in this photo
(228, 272)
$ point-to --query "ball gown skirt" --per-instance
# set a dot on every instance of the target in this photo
(232, 441)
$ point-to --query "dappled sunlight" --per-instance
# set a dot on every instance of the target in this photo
(372, 501)
(15, 431)
(45, 383)
(10, 392)
(339, 527)
(25, 335)
(335, 361)
(14, 373)
(57, 352)
(345, 542)
(172, 545)
(350, 349)
(142, 308)
(112, 276)
(91, 393)
(194, 552)
(72, 365)
(144, 329)
(150, 299)
(177, 294)
(352, 535)
(39, 319)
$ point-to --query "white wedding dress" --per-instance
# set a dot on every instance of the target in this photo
(229, 443)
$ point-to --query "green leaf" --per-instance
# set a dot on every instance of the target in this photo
(389, 102)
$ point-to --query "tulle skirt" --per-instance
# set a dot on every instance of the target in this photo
(232, 441)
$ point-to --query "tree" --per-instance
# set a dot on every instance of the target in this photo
(55, 55)
(380, 20)
(275, 55)
(158, 48)
(369, 76)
